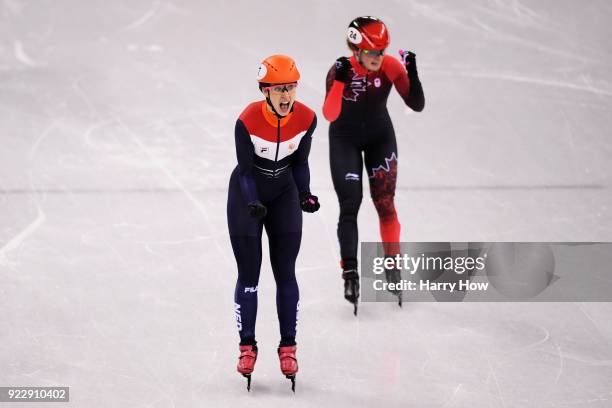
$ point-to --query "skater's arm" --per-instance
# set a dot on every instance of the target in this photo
(333, 102)
(301, 171)
(245, 153)
(336, 79)
(407, 83)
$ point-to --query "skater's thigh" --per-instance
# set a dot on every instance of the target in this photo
(380, 151)
(346, 165)
(381, 164)
(284, 213)
(239, 222)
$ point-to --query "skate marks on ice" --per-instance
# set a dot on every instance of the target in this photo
(583, 84)
(18, 239)
(161, 340)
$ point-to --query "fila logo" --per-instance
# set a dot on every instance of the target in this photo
(263, 150)
(351, 177)
(251, 289)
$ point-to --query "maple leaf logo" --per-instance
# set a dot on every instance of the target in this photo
(355, 88)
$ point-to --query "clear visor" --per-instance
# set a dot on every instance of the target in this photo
(280, 88)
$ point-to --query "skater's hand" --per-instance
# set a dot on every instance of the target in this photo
(309, 202)
(409, 59)
(343, 66)
(257, 209)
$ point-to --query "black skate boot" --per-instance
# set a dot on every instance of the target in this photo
(351, 287)
(394, 276)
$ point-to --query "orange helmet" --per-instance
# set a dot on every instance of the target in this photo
(278, 69)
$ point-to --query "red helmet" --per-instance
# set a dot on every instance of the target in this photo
(368, 33)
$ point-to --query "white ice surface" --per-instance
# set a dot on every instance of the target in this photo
(116, 132)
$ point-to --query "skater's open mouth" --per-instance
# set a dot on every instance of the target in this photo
(284, 106)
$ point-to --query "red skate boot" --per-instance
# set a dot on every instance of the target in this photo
(246, 362)
(288, 363)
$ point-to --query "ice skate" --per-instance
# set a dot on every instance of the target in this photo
(351, 287)
(246, 362)
(288, 363)
(394, 276)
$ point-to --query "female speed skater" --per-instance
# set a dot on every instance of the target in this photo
(270, 188)
(361, 133)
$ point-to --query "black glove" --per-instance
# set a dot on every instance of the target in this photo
(409, 59)
(343, 67)
(257, 209)
(416, 99)
(309, 202)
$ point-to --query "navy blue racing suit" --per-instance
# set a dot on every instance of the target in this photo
(272, 169)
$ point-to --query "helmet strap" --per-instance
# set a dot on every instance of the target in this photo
(358, 58)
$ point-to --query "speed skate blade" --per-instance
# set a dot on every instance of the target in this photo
(292, 378)
(248, 377)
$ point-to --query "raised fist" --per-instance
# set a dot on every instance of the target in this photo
(409, 59)
(343, 67)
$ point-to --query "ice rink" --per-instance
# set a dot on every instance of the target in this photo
(116, 271)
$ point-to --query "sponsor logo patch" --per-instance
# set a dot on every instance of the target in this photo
(351, 177)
